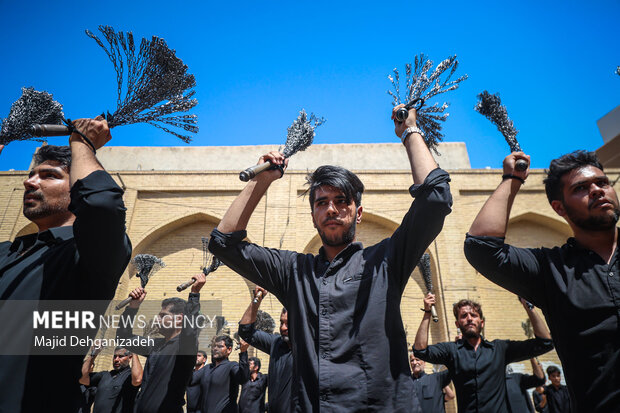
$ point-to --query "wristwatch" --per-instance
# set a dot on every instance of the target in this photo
(409, 130)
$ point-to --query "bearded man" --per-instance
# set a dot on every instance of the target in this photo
(345, 326)
(478, 366)
(577, 285)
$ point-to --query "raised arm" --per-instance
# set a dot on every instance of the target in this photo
(97, 203)
(421, 337)
(538, 325)
(188, 338)
(241, 209)
(125, 329)
(247, 331)
(87, 368)
(492, 220)
(420, 158)
(136, 370)
(241, 372)
(249, 317)
(538, 370)
(83, 160)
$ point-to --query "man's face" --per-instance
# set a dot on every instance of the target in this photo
(253, 367)
(334, 217)
(200, 359)
(46, 192)
(121, 359)
(590, 202)
(219, 351)
(284, 327)
(417, 365)
(469, 322)
(556, 378)
(168, 322)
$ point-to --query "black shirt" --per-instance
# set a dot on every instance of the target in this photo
(252, 399)
(115, 393)
(280, 365)
(349, 343)
(579, 295)
(193, 392)
(479, 376)
(169, 364)
(516, 391)
(558, 399)
(219, 385)
(537, 401)
(429, 391)
(79, 262)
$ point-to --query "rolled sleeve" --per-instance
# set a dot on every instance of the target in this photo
(522, 350)
(516, 269)
(99, 229)
(256, 338)
(421, 224)
(439, 353)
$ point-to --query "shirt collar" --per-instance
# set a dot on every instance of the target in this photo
(345, 253)
(48, 236)
(464, 343)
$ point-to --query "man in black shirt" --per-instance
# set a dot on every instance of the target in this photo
(477, 366)
(577, 286)
(116, 389)
(79, 253)
(252, 399)
(193, 388)
(432, 391)
(278, 346)
(220, 380)
(343, 304)
(558, 397)
(171, 359)
(517, 385)
(540, 400)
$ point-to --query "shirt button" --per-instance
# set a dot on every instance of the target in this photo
(324, 281)
(323, 397)
(323, 355)
(611, 274)
(323, 311)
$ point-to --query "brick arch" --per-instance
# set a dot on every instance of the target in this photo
(532, 229)
(178, 243)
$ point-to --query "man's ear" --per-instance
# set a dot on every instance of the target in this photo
(358, 214)
(558, 207)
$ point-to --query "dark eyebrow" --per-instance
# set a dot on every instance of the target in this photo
(46, 170)
(594, 178)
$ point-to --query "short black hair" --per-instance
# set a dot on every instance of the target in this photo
(552, 370)
(338, 177)
(60, 154)
(127, 352)
(284, 311)
(226, 339)
(563, 165)
(256, 361)
(176, 304)
(204, 353)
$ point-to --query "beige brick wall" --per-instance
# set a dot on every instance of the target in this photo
(168, 212)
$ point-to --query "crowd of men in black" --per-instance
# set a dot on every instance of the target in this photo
(342, 345)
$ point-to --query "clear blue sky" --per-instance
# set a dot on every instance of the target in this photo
(258, 63)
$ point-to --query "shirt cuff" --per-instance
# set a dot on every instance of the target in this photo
(246, 331)
(435, 177)
(222, 239)
(95, 182)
